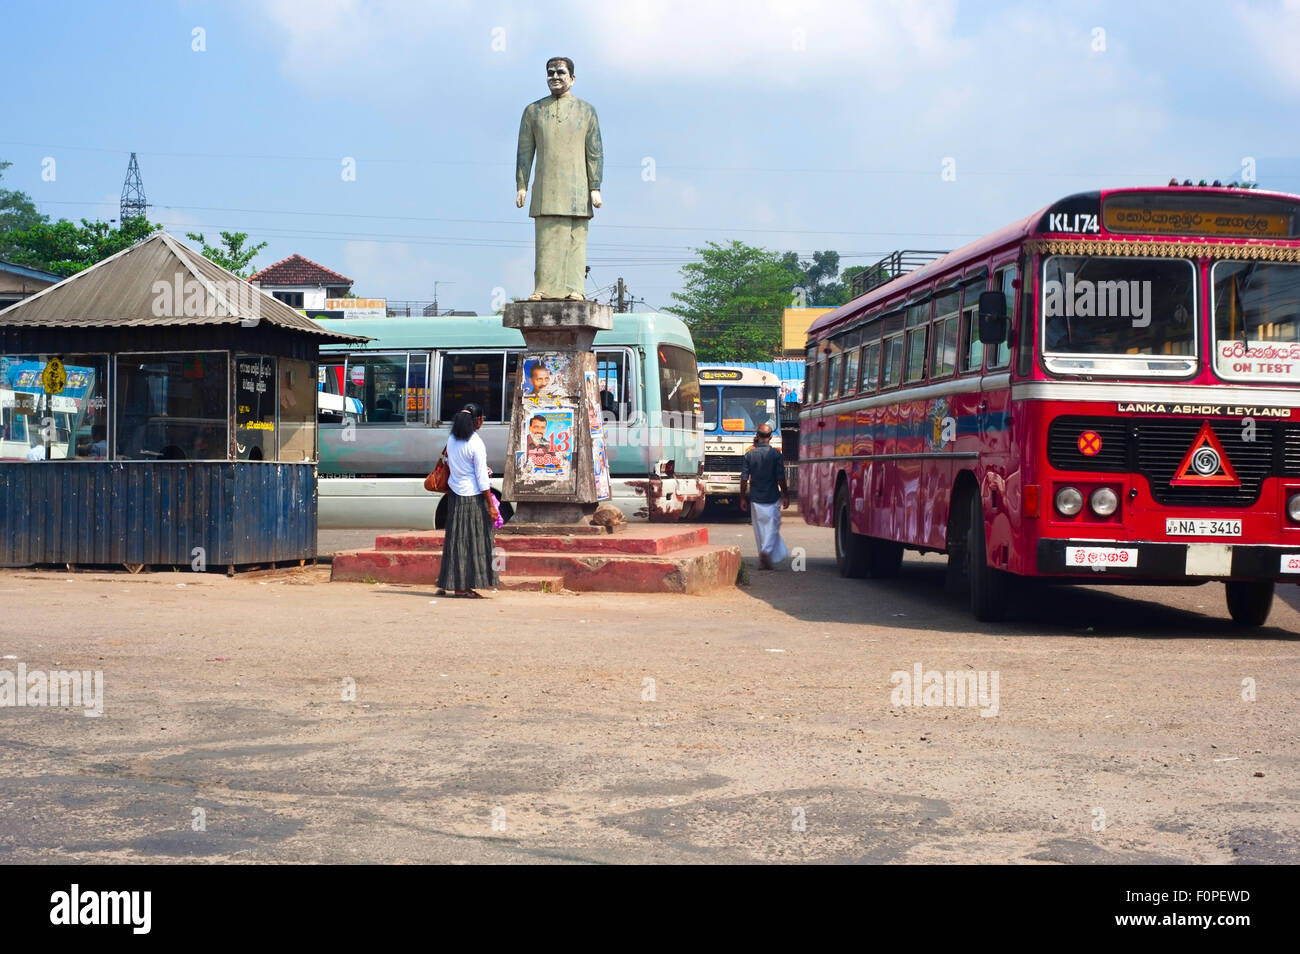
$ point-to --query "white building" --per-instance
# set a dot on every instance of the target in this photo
(301, 283)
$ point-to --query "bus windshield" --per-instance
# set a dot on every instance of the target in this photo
(1105, 312)
(743, 409)
(1256, 320)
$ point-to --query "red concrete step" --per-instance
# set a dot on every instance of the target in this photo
(641, 540)
(691, 570)
(532, 584)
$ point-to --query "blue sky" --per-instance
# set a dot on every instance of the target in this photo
(793, 125)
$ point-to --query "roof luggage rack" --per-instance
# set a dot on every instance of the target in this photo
(890, 267)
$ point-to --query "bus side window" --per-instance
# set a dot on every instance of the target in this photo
(947, 316)
(679, 387)
(810, 377)
(870, 368)
(511, 382)
(849, 342)
(918, 316)
(972, 349)
(612, 377)
(378, 381)
(417, 389)
(1002, 281)
(476, 377)
(329, 380)
(893, 356)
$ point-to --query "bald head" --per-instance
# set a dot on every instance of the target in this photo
(764, 433)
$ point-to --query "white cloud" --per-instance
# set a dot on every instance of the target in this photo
(1275, 31)
(788, 43)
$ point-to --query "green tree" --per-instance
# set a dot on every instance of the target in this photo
(65, 248)
(17, 214)
(878, 277)
(732, 299)
(232, 255)
(817, 278)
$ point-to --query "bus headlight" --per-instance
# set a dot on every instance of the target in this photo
(1069, 501)
(1103, 501)
(1293, 507)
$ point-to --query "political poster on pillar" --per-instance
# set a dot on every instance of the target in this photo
(595, 423)
(546, 454)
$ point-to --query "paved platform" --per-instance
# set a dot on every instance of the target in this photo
(643, 559)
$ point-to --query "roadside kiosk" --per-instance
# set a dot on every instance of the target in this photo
(157, 410)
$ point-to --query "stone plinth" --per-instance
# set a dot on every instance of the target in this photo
(642, 559)
(556, 467)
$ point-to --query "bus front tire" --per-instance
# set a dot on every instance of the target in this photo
(852, 550)
(1249, 601)
(988, 586)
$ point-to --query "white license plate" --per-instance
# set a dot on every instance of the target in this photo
(1185, 527)
(1101, 556)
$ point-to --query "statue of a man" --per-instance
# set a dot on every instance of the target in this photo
(564, 134)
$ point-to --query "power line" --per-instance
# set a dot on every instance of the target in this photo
(913, 170)
(525, 224)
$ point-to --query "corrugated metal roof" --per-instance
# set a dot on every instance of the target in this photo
(157, 281)
(24, 271)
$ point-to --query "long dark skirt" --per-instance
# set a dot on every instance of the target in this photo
(467, 545)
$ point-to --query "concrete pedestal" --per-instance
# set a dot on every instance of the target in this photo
(642, 559)
(556, 468)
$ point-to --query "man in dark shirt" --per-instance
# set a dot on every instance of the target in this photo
(764, 494)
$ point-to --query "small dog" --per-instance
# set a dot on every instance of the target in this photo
(609, 517)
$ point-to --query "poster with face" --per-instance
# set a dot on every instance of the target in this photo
(600, 466)
(547, 451)
(542, 378)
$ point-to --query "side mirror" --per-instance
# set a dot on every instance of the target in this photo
(992, 318)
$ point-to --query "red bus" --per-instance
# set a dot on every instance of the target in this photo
(1105, 391)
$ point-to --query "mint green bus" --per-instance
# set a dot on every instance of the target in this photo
(385, 411)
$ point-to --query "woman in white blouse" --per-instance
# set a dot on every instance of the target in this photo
(471, 510)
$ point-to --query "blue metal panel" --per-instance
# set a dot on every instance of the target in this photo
(156, 512)
(786, 370)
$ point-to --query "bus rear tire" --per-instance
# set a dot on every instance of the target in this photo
(988, 586)
(852, 550)
(1249, 601)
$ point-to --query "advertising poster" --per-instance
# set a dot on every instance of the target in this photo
(547, 451)
(600, 466)
(599, 460)
(542, 379)
(594, 419)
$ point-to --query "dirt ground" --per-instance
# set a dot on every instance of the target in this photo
(756, 725)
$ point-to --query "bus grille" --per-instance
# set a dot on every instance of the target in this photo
(1155, 447)
(722, 464)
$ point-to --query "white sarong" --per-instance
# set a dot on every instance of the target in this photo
(767, 530)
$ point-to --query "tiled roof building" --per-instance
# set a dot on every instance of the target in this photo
(301, 283)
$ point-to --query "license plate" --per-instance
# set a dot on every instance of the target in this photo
(1101, 556)
(1183, 527)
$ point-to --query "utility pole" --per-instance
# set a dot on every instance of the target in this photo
(621, 300)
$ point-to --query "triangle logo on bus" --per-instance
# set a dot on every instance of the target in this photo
(1206, 463)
